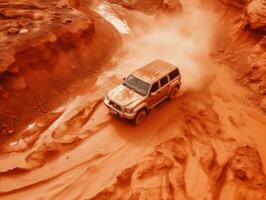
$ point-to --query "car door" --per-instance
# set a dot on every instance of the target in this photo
(164, 87)
(153, 95)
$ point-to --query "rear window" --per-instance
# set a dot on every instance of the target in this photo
(164, 81)
(174, 74)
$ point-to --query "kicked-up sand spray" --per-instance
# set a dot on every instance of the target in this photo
(184, 39)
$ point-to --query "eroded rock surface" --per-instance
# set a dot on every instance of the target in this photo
(21, 19)
(256, 12)
(44, 48)
(173, 171)
(150, 6)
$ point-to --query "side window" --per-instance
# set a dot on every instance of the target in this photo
(154, 87)
(174, 74)
(164, 81)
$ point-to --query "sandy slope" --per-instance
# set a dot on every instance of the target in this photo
(206, 144)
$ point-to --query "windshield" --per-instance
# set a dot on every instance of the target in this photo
(137, 85)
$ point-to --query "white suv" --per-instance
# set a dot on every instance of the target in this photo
(143, 90)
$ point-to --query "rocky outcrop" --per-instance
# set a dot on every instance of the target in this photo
(238, 3)
(256, 12)
(34, 36)
(253, 10)
(256, 75)
(26, 24)
(150, 6)
(44, 47)
(26, 21)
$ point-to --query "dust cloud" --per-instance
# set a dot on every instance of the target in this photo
(185, 40)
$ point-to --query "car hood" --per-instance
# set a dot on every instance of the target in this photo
(124, 96)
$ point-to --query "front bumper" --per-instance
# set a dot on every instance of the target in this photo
(118, 112)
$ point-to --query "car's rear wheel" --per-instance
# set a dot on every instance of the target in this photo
(173, 93)
(141, 115)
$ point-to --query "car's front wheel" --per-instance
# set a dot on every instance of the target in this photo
(141, 115)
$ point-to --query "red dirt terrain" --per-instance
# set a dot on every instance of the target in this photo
(58, 59)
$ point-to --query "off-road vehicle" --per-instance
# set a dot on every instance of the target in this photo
(144, 89)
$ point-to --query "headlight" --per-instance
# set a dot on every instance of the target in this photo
(128, 110)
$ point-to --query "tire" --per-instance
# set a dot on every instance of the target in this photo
(173, 93)
(141, 115)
